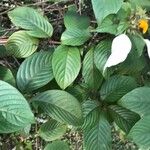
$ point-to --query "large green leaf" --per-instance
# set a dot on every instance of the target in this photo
(137, 101)
(31, 20)
(57, 145)
(99, 137)
(21, 45)
(101, 54)
(91, 111)
(60, 105)
(15, 112)
(90, 73)
(77, 32)
(103, 8)
(116, 87)
(138, 63)
(75, 37)
(108, 25)
(66, 65)
(52, 130)
(7, 76)
(124, 118)
(138, 43)
(35, 71)
(143, 3)
(73, 20)
(140, 133)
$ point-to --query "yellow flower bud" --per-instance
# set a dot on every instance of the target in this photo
(143, 24)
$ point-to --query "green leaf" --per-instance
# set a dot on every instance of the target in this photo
(91, 111)
(35, 71)
(77, 32)
(31, 20)
(75, 37)
(125, 11)
(138, 63)
(138, 42)
(104, 8)
(3, 51)
(108, 25)
(90, 73)
(7, 76)
(101, 54)
(52, 130)
(137, 101)
(140, 133)
(116, 87)
(73, 20)
(15, 112)
(124, 118)
(21, 45)
(122, 27)
(99, 137)
(112, 25)
(66, 65)
(80, 91)
(143, 3)
(60, 105)
(57, 145)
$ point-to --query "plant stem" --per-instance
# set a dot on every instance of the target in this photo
(3, 41)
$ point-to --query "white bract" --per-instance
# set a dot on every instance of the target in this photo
(148, 46)
(121, 46)
(120, 49)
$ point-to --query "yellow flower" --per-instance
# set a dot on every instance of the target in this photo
(143, 24)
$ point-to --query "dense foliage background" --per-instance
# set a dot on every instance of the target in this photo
(74, 74)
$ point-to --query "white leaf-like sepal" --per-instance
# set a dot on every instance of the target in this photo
(148, 46)
(121, 46)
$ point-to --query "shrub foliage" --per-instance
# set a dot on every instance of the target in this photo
(78, 83)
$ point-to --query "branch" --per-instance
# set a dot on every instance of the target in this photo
(3, 41)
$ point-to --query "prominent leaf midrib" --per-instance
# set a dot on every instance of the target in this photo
(77, 34)
(36, 25)
(31, 78)
(64, 79)
(91, 63)
(119, 114)
(116, 88)
(57, 107)
(93, 67)
(15, 114)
